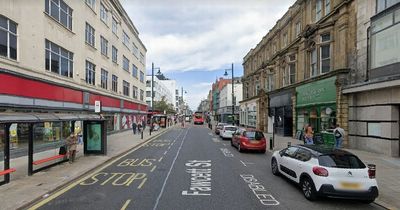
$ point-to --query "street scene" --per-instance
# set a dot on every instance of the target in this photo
(213, 104)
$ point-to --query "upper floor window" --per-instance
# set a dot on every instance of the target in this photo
(141, 76)
(58, 60)
(135, 92)
(91, 3)
(125, 63)
(104, 46)
(90, 36)
(327, 6)
(114, 26)
(114, 85)
(90, 73)
(125, 89)
(103, 14)
(104, 78)
(285, 40)
(142, 58)
(135, 50)
(8, 38)
(298, 28)
(313, 62)
(60, 11)
(384, 4)
(114, 54)
(318, 10)
(325, 53)
(271, 82)
(290, 70)
(141, 95)
(134, 71)
(125, 39)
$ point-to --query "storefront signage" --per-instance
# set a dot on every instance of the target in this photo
(97, 106)
(319, 92)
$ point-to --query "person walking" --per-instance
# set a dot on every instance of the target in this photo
(134, 125)
(140, 127)
(72, 141)
(339, 134)
(309, 134)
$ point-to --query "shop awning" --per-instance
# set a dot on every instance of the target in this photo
(31, 117)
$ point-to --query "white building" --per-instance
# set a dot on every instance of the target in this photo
(225, 103)
(160, 91)
(171, 86)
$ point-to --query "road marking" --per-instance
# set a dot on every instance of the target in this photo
(159, 160)
(126, 204)
(245, 163)
(226, 152)
(259, 190)
(215, 139)
(69, 187)
(169, 172)
(141, 184)
(165, 152)
(154, 167)
(169, 147)
(200, 177)
(210, 134)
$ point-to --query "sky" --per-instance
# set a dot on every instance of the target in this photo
(194, 41)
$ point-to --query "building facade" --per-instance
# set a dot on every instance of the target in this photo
(374, 92)
(161, 91)
(225, 104)
(311, 45)
(216, 89)
(63, 56)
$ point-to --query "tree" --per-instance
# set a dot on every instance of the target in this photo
(163, 106)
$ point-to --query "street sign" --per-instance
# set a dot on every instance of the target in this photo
(97, 106)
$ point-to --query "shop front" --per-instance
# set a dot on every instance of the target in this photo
(280, 112)
(316, 105)
(248, 113)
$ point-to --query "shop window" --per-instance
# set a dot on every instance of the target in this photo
(328, 118)
(2, 142)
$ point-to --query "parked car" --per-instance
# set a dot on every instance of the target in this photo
(227, 131)
(324, 171)
(219, 127)
(249, 139)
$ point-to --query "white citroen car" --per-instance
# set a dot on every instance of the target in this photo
(323, 171)
(227, 131)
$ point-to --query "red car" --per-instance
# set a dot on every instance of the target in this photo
(249, 139)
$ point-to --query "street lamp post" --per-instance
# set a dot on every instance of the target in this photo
(233, 94)
(152, 94)
(183, 103)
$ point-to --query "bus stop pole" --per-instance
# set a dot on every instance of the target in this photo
(30, 150)
(7, 152)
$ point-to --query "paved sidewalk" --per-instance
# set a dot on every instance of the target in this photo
(387, 171)
(23, 189)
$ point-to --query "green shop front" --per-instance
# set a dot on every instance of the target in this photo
(316, 105)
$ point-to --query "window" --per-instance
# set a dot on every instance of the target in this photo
(103, 14)
(285, 40)
(313, 63)
(114, 54)
(135, 50)
(125, 39)
(142, 58)
(104, 78)
(114, 83)
(135, 92)
(90, 73)
(90, 35)
(8, 38)
(104, 46)
(114, 26)
(292, 69)
(325, 53)
(298, 28)
(60, 11)
(340, 160)
(327, 6)
(58, 60)
(318, 10)
(141, 95)
(125, 89)
(134, 71)
(384, 4)
(291, 151)
(148, 93)
(302, 155)
(91, 3)
(257, 87)
(270, 82)
(141, 76)
(125, 63)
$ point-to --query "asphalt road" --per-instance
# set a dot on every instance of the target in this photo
(189, 168)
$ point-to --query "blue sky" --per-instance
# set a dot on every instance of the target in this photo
(194, 41)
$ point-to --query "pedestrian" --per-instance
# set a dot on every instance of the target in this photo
(72, 141)
(143, 125)
(134, 125)
(309, 134)
(140, 127)
(339, 134)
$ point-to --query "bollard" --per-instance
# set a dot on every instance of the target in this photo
(150, 130)
(141, 136)
(289, 144)
(270, 144)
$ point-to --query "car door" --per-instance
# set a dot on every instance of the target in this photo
(298, 163)
(287, 162)
(235, 137)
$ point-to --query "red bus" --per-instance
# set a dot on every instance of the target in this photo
(198, 118)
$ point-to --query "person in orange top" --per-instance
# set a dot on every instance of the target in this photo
(309, 135)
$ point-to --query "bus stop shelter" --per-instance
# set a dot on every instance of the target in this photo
(93, 135)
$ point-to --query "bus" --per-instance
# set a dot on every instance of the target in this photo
(198, 118)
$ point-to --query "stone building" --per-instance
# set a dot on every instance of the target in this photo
(296, 73)
(374, 92)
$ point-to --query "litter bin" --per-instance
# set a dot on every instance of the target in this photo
(328, 138)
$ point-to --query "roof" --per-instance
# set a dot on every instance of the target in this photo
(324, 150)
(32, 117)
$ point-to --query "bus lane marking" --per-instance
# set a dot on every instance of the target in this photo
(154, 167)
(159, 160)
(126, 204)
(259, 190)
(118, 179)
(245, 163)
(165, 152)
(226, 152)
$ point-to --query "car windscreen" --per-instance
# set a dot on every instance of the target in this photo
(230, 128)
(256, 135)
(340, 161)
(198, 116)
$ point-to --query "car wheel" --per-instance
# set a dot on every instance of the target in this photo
(274, 167)
(308, 188)
(239, 148)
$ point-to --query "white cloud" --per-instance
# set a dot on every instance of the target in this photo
(202, 85)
